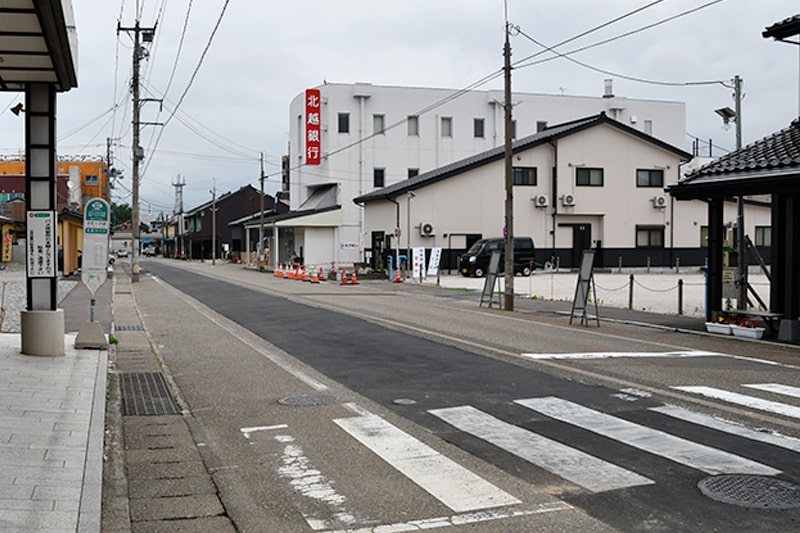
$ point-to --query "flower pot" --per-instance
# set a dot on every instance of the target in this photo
(748, 333)
(715, 327)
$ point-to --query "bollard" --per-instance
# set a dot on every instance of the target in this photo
(648, 265)
(680, 297)
(677, 265)
(619, 267)
(630, 293)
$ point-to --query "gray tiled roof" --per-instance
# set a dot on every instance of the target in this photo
(781, 150)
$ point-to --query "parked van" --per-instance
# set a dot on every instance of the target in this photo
(476, 261)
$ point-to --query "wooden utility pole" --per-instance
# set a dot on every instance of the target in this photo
(260, 248)
(509, 180)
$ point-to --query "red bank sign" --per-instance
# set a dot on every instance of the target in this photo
(313, 135)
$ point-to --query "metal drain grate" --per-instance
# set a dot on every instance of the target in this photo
(308, 399)
(146, 394)
(129, 328)
(751, 491)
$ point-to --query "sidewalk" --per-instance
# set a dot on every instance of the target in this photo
(52, 424)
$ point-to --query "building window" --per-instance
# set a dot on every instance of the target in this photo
(648, 127)
(649, 236)
(378, 124)
(763, 235)
(524, 175)
(541, 125)
(589, 177)
(378, 177)
(513, 129)
(413, 126)
(649, 178)
(344, 122)
(703, 236)
(447, 126)
(478, 128)
(413, 172)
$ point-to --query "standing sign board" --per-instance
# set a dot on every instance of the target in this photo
(418, 258)
(41, 233)
(491, 281)
(584, 284)
(433, 263)
(96, 225)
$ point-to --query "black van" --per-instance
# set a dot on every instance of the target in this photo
(476, 261)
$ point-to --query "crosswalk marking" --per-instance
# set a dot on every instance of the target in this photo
(743, 399)
(609, 355)
(450, 483)
(786, 390)
(695, 455)
(573, 465)
(776, 439)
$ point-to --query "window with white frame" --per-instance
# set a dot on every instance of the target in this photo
(413, 126)
(447, 127)
(378, 124)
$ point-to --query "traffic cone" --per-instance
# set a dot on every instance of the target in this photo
(306, 276)
(353, 280)
(290, 273)
(397, 278)
(344, 278)
(280, 271)
(321, 276)
(315, 278)
(299, 274)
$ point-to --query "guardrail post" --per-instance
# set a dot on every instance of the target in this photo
(680, 297)
(630, 293)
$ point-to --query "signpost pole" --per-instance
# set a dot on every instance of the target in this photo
(94, 268)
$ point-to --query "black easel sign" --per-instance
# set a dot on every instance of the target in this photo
(491, 281)
(582, 287)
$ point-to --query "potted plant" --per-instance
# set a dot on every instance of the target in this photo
(747, 328)
(721, 324)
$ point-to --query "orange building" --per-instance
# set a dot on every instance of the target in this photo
(90, 170)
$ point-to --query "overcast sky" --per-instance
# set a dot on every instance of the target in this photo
(265, 53)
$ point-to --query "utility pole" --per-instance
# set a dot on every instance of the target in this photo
(139, 52)
(214, 224)
(178, 211)
(260, 247)
(509, 180)
(741, 264)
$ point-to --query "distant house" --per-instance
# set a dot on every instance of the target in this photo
(200, 230)
(594, 183)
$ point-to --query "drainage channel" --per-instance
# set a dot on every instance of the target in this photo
(146, 394)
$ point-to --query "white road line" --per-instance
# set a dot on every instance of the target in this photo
(610, 355)
(575, 466)
(695, 455)
(727, 426)
(462, 519)
(246, 432)
(786, 390)
(450, 483)
(745, 400)
(311, 483)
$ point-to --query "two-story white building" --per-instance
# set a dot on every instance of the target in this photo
(368, 137)
(594, 182)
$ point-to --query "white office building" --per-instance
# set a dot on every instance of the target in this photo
(367, 137)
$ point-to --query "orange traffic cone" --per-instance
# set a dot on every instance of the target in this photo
(321, 276)
(306, 276)
(280, 271)
(397, 278)
(344, 277)
(315, 278)
(299, 274)
(353, 280)
(290, 273)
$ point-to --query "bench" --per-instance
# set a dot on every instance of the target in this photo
(771, 320)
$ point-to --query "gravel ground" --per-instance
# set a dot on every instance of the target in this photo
(652, 291)
(12, 295)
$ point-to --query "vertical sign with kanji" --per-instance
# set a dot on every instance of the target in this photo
(41, 233)
(313, 127)
(96, 227)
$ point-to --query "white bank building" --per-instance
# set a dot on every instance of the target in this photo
(349, 140)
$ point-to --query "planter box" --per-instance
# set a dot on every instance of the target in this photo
(722, 329)
(748, 333)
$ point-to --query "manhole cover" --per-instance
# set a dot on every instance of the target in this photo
(751, 491)
(308, 399)
(404, 401)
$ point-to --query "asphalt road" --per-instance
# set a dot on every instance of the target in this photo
(521, 400)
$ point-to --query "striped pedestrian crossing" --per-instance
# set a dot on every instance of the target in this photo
(677, 449)
(568, 463)
(745, 400)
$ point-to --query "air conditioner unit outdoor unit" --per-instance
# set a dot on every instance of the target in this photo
(426, 229)
(660, 202)
(541, 201)
(568, 199)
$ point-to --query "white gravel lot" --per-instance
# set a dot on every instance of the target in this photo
(12, 296)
